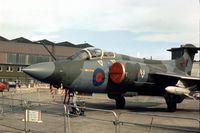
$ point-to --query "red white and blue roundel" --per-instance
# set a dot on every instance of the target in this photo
(98, 77)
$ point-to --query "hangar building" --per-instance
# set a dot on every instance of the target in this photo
(20, 52)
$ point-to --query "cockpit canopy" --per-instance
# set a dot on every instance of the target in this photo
(91, 53)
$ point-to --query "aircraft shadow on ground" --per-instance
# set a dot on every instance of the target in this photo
(137, 107)
(131, 107)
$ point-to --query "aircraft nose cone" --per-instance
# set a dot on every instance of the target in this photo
(40, 71)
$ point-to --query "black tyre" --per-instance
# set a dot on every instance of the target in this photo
(171, 102)
(171, 107)
(120, 102)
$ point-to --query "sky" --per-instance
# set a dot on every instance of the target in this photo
(140, 28)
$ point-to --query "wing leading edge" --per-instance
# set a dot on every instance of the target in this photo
(176, 76)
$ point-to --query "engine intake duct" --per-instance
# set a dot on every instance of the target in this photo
(124, 74)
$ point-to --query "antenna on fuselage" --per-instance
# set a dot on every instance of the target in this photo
(51, 53)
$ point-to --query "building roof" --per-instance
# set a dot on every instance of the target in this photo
(46, 42)
(21, 40)
(66, 43)
(188, 46)
(84, 45)
(3, 39)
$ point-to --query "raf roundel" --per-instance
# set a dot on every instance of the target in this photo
(98, 77)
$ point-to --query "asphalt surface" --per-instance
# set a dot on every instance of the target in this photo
(140, 115)
(143, 114)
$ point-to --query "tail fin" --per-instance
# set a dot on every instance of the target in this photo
(184, 57)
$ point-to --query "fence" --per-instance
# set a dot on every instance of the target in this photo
(145, 122)
(58, 118)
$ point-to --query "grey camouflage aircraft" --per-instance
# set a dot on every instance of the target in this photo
(94, 70)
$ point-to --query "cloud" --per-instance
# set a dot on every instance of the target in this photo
(181, 37)
(131, 15)
(153, 20)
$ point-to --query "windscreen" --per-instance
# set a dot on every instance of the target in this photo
(81, 55)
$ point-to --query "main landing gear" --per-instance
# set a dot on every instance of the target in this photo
(119, 99)
(172, 101)
(171, 104)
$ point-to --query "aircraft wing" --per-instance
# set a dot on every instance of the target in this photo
(178, 80)
(174, 75)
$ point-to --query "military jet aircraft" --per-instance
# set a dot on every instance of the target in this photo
(94, 70)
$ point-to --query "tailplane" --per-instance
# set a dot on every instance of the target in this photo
(184, 57)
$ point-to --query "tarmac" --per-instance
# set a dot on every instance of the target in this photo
(142, 114)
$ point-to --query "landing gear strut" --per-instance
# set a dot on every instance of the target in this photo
(77, 107)
(171, 102)
(119, 99)
(120, 102)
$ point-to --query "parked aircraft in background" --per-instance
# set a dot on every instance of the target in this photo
(94, 70)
